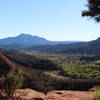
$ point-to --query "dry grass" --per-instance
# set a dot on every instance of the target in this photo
(97, 94)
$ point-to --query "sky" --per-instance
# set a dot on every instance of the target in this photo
(56, 20)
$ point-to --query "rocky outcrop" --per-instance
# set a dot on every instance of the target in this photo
(28, 94)
(69, 95)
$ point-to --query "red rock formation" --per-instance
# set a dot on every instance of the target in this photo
(69, 95)
(28, 94)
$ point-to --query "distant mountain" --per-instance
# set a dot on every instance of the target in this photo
(21, 41)
(26, 41)
(92, 47)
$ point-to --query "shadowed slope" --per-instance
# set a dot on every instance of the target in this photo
(6, 65)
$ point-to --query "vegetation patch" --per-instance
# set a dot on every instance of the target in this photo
(97, 94)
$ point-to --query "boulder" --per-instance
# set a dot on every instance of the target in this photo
(28, 94)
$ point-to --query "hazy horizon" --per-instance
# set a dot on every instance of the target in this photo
(55, 20)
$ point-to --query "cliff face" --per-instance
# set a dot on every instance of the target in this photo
(28, 94)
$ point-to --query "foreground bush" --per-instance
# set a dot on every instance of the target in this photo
(9, 84)
(97, 94)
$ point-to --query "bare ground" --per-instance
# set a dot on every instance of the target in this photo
(28, 94)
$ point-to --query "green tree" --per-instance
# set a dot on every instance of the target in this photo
(93, 10)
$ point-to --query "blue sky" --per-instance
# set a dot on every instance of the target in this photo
(53, 19)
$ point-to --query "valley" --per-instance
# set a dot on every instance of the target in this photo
(47, 68)
(48, 51)
(55, 71)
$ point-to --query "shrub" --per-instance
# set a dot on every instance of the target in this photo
(10, 83)
(97, 94)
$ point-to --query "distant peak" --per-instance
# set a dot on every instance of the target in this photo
(27, 35)
(23, 34)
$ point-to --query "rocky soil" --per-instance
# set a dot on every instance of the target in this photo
(28, 94)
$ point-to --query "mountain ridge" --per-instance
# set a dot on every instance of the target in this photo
(91, 47)
(27, 40)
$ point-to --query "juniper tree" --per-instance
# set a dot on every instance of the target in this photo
(93, 10)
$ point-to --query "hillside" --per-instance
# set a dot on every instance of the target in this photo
(37, 81)
(91, 47)
(45, 75)
(6, 65)
(31, 68)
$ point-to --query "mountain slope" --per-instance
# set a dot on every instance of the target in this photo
(92, 47)
(21, 41)
(6, 65)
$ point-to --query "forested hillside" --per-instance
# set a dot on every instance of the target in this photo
(52, 72)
